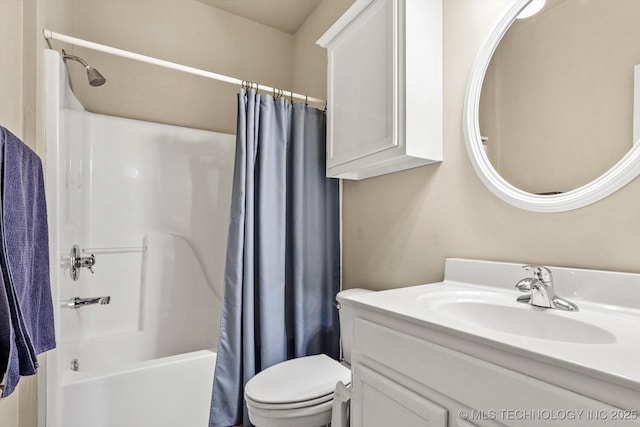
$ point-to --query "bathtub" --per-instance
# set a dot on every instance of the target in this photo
(151, 202)
(160, 375)
(172, 391)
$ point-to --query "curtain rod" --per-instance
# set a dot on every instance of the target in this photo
(48, 34)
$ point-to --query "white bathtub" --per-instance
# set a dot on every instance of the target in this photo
(171, 391)
(161, 375)
(151, 202)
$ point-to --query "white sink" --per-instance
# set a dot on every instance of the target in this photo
(522, 319)
(469, 338)
(477, 301)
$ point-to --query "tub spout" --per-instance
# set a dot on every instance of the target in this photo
(81, 302)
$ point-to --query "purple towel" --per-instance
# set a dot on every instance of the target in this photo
(9, 363)
(24, 256)
(6, 331)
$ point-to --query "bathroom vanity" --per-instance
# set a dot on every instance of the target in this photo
(464, 352)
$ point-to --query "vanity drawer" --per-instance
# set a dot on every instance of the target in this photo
(472, 382)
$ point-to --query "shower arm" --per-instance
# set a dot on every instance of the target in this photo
(94, 76)
(66, 56)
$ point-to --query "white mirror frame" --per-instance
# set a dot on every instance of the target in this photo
(615, 178)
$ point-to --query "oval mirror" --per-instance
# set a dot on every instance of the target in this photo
(549, 114)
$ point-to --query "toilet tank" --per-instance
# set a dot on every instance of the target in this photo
(345, 311)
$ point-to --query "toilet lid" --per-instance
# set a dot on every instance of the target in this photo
(297, 380)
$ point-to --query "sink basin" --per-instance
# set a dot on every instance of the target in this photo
(523, 320)
(474, 314)
(475, 308)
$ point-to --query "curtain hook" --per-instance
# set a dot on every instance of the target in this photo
(257, 87)
(306, 100)
(325, 105)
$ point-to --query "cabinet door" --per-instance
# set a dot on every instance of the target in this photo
(362, 74)
(378, 401)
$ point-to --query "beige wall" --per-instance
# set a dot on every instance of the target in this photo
(399, 228)
(11, 35)
(22, 64)
(183, 31)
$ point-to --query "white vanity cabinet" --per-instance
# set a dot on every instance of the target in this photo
(384, 111)
(464, 352)
(402, 378)
(382, 402)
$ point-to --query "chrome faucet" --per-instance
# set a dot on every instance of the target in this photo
(81, 302)
(76, 261)
(541, 291)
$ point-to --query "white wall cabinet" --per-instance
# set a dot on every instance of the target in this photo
(384, 87)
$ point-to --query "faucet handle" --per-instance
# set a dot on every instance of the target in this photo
(526, 285)
(89, 262)
(541, 273)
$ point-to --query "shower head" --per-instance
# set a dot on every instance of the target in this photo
(94, 76)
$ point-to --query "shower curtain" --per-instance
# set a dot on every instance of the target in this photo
(283, 255)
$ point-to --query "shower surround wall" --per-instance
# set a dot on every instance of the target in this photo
(151, 202)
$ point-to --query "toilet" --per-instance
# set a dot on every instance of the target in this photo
(299, 392)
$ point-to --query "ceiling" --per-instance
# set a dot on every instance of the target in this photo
(285, 15)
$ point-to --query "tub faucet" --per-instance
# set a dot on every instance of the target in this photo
(81, 302)
(76, 261)
(540, 290)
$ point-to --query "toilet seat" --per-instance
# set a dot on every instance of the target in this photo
(296, 392)
(291, 405)
(306, 379)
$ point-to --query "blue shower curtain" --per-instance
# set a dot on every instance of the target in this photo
(283, 256)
